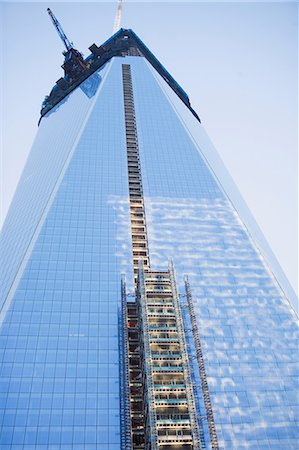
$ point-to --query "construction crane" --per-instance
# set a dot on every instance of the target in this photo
(74, 64)
(61, 33)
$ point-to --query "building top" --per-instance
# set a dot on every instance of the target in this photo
(123, 43)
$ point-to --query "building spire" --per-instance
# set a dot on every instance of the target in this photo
(118, 17)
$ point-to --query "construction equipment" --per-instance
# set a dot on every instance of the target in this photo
(62, 35)
(74, 64)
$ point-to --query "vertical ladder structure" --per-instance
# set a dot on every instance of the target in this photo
(140, 252)
(137, 212)
(170, 414)
(202, 371)
(125, 398)
(162, 410)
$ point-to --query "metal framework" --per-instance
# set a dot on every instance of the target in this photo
(202, 371)
(67, 43)
(74, 65)
(140, 253)
(162, 409)
(126, 432)
(137, 212)
(170, 415)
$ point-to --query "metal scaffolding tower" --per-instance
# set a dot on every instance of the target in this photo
(202, 371)
(169, 407)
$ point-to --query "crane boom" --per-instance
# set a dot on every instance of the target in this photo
(62, 35)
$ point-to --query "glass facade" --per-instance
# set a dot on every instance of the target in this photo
(59, 338)
(66, 244)
(247, 327)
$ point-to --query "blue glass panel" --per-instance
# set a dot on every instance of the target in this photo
(247, 327)
(60, 374)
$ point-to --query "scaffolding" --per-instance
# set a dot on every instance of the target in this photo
(162, 410)
(126, 432)
(170, 412)
(137, 211)
(202, 371)
(140, 253)
(136, 382)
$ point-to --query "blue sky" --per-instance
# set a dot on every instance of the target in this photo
(237, 62)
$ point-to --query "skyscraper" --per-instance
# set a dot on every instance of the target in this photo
(138, 310)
